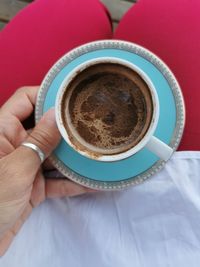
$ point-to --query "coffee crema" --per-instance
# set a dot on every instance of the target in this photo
(108, 108)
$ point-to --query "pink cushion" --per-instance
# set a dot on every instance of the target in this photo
(171, 29)
(42, 33)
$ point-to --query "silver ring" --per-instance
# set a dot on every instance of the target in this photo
(36, 149)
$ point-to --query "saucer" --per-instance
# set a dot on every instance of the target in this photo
(143, 164)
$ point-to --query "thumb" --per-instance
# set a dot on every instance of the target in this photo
(46, 136)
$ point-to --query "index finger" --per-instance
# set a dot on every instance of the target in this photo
(21, 103)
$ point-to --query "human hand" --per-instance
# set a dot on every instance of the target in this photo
(22, 183)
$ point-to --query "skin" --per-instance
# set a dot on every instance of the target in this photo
(22, 182)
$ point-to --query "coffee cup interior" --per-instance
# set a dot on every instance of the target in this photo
(107, 109)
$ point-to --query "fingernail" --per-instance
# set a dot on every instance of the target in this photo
(50, 114)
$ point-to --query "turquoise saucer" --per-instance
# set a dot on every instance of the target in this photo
(142, 165)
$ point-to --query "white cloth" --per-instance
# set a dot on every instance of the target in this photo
(153, 224)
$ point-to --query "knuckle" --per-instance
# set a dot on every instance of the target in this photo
(23, 89)
(20, 93)
(20, 90)
(42, 138)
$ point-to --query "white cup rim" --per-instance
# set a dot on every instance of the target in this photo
(155, 116)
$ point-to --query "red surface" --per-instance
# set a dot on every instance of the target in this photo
(47, 29)
(171, 29)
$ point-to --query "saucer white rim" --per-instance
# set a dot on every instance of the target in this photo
(159, 64)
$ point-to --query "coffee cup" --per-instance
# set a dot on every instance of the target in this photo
(107, 109)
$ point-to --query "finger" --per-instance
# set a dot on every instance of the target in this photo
(22, 103)
(46, 136)
(62, 188)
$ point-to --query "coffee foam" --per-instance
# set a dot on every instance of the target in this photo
(109, 107)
